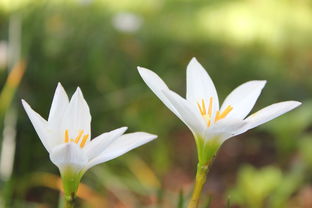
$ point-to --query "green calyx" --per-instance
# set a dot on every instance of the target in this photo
(206, 149)
(71, 180)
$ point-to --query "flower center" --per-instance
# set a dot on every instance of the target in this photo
(207, 113)
(77, 139)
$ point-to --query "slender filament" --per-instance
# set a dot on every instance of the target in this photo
(84, 140)
(222, 115)
(77, 139)
(66, 136)
(207, 113)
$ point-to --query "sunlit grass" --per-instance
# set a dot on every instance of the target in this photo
(274, 23)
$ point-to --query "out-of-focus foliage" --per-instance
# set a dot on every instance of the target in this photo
(10, 86)
(254, 186)
(97, 45)
(268, 186)
(288, 129)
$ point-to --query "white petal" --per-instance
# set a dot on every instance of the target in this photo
(69, 155)
(242, 99)
(268, 113)
(40, 125)
(122, 145)
(98, 144)
(200, 86)
(188, 113)
(77, 116)
(156, 84)
(224, 129)
(59, 104)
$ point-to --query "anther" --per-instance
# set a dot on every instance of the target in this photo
(79, 136)
(66, 136)
(227, 110)
(84, 140)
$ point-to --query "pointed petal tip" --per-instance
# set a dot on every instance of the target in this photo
(260, 83)
(122, 129)
(196, 68)
(25, 104)
(78, 93)
(295, 103)
(143, 71)
(193, 61)
(153, 136)
(78, 89)
(263, 82)
(148, 135)
(291, 103)
(60, 87)
(140, 69)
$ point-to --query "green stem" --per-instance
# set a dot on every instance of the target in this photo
(69, 202)
(66, 201)
(71, 180)
(201, 175)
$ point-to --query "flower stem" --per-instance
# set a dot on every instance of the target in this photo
(69, 201)
(66, 201)
(71, 180)
(201, 174)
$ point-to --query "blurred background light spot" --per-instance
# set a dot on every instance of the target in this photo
(127, 22)
(3, 54)
(85, 2)
(8, 145)
(275, 23)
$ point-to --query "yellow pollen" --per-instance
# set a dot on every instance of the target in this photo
(202, 107)
(207, 119)
(77, 139)
(204, 112)
(222, 115)
(79, 136)
(84, 140)
(66, 136)
(210, 106)
(207, 113)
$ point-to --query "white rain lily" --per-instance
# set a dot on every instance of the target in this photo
(66, 136)
(211, 124)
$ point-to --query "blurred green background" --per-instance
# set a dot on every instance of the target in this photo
(97, 45)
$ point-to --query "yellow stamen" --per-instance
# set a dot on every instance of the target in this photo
(207, 118)
(210, 106)
(227, 110)
(79, 136)
(66, 136)
(84, 140)
(204, 112)
(199, 107)
(202, 108)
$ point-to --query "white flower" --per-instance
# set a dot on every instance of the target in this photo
(66, 135)
(200, 110)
